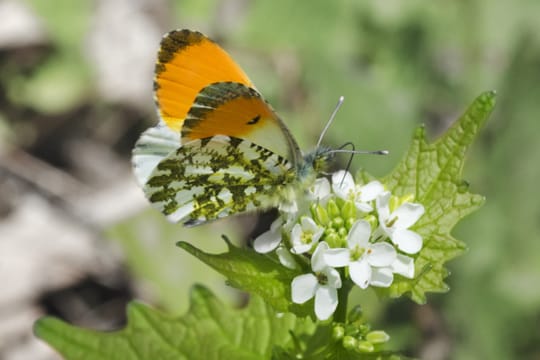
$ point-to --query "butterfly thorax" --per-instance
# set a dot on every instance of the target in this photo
(305, 173)
(293, 189)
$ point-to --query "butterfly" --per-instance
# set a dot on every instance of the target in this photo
(219, 148)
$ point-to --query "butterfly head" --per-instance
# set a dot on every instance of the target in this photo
(316, 161)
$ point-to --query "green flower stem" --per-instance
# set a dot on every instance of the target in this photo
(343, 296)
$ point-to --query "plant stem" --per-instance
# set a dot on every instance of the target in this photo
(343, 296)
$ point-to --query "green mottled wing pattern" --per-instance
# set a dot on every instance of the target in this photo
(214, 177)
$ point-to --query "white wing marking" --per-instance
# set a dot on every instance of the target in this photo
(154, 145)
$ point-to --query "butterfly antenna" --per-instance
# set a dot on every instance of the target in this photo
(354, 152)
(349, 162)
(341, 148)
(375, 152)
(329, 122)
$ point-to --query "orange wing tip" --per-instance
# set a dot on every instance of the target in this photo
(174, 42)
(187, 62)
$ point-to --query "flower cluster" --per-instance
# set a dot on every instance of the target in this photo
(352, 231)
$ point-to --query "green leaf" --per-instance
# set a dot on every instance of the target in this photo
(208, 331)
(432, 173)
(257, 274)
(147, 242)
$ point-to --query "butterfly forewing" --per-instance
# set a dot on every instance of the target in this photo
(214, 177)
(187, 62)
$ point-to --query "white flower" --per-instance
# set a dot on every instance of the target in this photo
(320, 190)
(269, 240)
(322, 285)
(396, 224)
(345, 188)
(285, 258)
(369, 263)
(290, 207)
(403, 265)
(305, 235)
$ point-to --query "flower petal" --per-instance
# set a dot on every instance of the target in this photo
(326, 302)
(320, 189)
(359, 234)
(276, 224)
(363, 206)
(285, 258)
(407, 241)
(381, 254)
(337, 257)
(296, 234)
(407, 214)
(332, 277)
(303, 288)
(370, 191)
(301, 248)
(267, 241)
(382, 277)
(290, 220)
(317, 235)
(383, 206)
(343, 184)
(404, 266)
(360, 272)
(308, 224)
(288, 207)
(317, 260)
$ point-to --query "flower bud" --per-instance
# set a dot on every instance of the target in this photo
(338, 332)
(350, 222)
(337, 223)
(333, 209)
(333, 239)
(342, 231)
(355, 314)
(372, 220)
(348, 210)
(364, 328)
(365, 346)
(350, 342)
(320, 215)
(394, 203)
(377, 337)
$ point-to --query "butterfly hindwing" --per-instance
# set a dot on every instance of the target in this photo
(214, 177)
(154, 144)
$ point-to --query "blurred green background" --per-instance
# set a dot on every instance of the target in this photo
(75, 92)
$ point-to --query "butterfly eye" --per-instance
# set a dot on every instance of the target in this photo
(254, 120)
